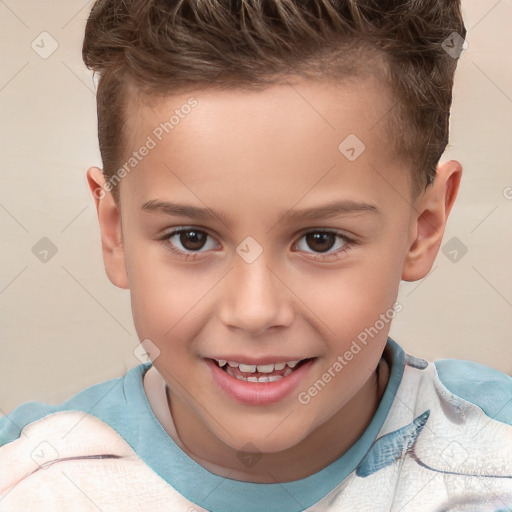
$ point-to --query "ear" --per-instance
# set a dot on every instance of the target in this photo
(110, 228)
(432, 208)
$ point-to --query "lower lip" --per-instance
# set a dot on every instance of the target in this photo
(258, 393)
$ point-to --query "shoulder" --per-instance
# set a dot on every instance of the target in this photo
(102, 400)
(485, 387)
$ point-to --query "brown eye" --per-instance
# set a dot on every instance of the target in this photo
(321, 241)
(319, 244)
(192, 240)
(188, 239)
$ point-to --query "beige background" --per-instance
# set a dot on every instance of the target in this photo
(64, 326)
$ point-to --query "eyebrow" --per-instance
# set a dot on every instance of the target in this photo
(332, 209)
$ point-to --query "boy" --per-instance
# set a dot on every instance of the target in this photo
(270, 174)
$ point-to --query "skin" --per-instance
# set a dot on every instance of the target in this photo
(255, 156)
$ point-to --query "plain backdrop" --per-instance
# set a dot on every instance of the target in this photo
(64, 326)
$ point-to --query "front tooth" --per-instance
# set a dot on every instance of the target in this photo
(267, 368)
(249, 368)
(292, 364)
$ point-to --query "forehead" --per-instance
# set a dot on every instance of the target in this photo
(360, 100)
(288, 135)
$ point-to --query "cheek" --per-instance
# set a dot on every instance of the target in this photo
(349, 299)
(163, 296)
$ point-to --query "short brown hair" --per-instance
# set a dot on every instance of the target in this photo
(167, 46)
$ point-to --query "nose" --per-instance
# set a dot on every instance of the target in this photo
(255, 297)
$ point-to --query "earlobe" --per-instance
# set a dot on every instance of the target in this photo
(110, 229)
(432, 209)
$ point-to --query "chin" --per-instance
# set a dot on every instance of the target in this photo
(265, 439)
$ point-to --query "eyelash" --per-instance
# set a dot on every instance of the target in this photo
(349, 243)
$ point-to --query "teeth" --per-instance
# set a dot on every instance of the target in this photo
(267, 368)
(262, 368)
(263, 378)
(271, 378)
(247, 368)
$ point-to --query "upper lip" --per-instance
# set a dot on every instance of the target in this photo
(259, 360)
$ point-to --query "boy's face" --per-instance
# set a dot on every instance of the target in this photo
(254, 285)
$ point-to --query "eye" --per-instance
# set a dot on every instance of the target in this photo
(189, 242)
(322, 241)
(190, 239)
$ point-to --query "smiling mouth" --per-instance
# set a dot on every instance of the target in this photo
(260, 373)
